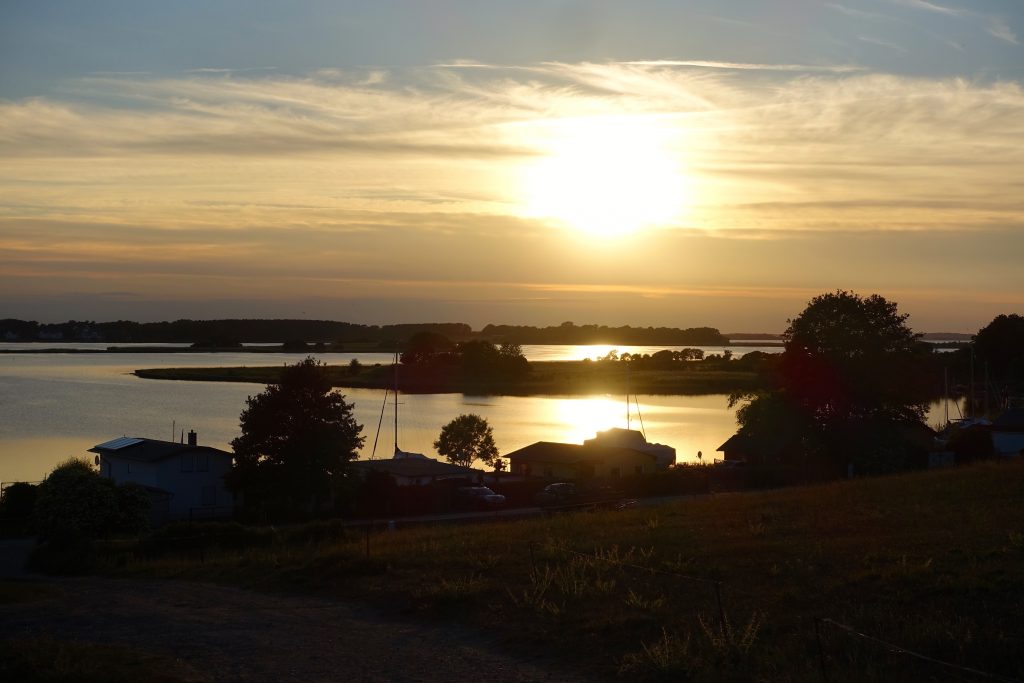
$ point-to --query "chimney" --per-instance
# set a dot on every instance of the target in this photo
(191, 437)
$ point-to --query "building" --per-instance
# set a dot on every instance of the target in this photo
(575, 461)
(184, 480)
(413, 471)
(665, 456)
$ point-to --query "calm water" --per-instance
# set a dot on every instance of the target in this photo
(53, 406)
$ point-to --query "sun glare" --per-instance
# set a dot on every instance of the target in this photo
(607, 176)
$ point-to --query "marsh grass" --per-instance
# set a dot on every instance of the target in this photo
(930, 561)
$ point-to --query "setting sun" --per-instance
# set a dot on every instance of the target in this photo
(607, 176)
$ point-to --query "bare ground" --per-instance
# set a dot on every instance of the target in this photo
(231, 634)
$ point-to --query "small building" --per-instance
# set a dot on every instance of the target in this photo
(184, 480)
(774, 449)
(1008, 433)
(575, 461)
(414, 471)
(664, 456)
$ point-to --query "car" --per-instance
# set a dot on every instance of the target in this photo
(559, 493)
(479, 498)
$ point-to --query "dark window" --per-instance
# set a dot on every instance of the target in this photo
(614, 472)
(639, 469)
(209, 496)
(188, 462)
(203, 462)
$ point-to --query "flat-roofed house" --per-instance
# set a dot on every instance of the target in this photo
(575, 461)
(184, 480)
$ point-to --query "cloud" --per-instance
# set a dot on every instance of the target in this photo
(998, 28)
(442, 141)
(740, 66)
(931, 7)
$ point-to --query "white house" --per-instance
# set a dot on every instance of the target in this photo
(184, 480)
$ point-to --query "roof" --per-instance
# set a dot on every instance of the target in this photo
(746, 446)
(571, 453)
(414, 467)
(150, 450)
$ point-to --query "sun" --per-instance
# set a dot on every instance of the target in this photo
(607, 176)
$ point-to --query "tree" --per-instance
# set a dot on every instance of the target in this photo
(1001, 345)
(468, 438)
(852, 384)
(847, 355)
(297, 437)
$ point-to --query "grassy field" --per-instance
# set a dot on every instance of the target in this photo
(545, 378)
(932, 562)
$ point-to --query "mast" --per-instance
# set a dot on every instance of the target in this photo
(396, 402)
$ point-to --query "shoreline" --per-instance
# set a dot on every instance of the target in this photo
(546, 378)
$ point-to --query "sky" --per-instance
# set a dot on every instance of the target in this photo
(642, 163)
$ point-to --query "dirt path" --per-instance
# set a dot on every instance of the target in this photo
(229, 634)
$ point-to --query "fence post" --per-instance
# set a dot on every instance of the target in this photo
(821, 650)
(721, 610)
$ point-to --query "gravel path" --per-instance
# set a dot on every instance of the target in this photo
(230, 634)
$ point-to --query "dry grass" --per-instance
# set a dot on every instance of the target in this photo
(931, 561)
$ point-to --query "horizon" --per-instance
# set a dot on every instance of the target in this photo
(649, 164)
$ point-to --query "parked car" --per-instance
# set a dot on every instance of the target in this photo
(478, 498)
(568, 495)
(559, 493)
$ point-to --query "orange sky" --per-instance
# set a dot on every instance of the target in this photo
(659, 189)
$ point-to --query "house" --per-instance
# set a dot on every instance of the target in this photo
(413, 471)
(773, 449)
(665, 456)
(184, 480)
(1008, 432)
(575, 461)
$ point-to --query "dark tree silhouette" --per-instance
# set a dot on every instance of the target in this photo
(1001, 345)
(468, 438)
(297, 437)
(852, 386)
(846, 355)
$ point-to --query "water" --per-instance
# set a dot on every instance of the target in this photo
(56, 406)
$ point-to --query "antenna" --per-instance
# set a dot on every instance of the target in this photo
(174, 429)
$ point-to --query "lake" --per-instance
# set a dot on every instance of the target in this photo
(55, 406)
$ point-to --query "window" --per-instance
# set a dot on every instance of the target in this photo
(188, 462)
(203, 462)
(639, 469)
(209, 496)
(614, 472)
(129, 468)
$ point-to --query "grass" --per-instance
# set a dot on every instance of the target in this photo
(49, 660)
(929, 561)
(545, 378)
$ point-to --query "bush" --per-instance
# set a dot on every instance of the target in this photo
(76, 503)
(16, 505)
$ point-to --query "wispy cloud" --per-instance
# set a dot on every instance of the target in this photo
(998, 28)
(741, 66)
(931, 7)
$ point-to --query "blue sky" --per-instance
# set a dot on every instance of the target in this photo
(386, 161)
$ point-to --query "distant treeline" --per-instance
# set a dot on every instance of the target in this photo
(233, 332)
(569, 333)
(224, 332)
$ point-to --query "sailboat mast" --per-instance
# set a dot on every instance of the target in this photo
(627, 395)
(396, 402)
